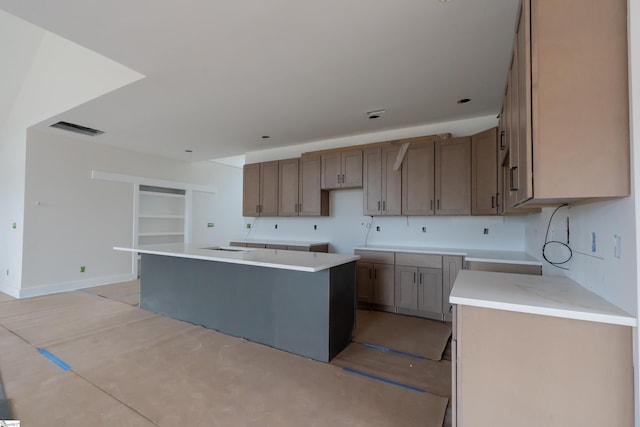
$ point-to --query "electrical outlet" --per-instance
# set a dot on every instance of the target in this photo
(486, 231)
(13, 225)
(315, 227)
(248, 225)
(424, 229)
(275, 226)
(210, 225)
(617, 246)
(82, 269)
(378, 228)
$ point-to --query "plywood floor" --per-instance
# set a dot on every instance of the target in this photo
(127, 366)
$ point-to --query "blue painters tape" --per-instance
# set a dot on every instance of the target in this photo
(377, 347)
(54, 359)
(384, 380)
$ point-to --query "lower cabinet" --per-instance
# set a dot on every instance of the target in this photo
(375, 278)
(406, 283)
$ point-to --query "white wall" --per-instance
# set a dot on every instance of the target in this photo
(44, 74)
(456, 128)
(72, 220)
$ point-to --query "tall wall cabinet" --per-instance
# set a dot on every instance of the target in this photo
(565, 113)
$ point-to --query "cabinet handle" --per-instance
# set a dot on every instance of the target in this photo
(512, 184)
(431, 204)
(438, 204)
(450, 309)
(384, 205)
(378, 204)
(497, 200)
(343, 178)
(493, 202)
(375, 273)
(414, 277)
(421, 278)
(502, 143)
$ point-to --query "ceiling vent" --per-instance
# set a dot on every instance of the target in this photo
(72, 127)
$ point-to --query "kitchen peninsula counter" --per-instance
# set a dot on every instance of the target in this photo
(300, 302)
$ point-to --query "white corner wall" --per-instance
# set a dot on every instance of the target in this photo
(72, 220)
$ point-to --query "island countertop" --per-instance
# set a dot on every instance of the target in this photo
(543, 295)
(272, 258)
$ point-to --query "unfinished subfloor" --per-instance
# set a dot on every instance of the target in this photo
(82, 358)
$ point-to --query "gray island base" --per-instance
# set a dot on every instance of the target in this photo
(311, 314)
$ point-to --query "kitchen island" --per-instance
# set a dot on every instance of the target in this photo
(300, 302)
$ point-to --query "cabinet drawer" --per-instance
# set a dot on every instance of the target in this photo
(504, 268)
(419, 260)
(376, 257)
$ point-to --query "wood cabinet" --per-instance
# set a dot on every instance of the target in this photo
(382, 184)
(313, 201)
(260, 189)
(527, 370)
(418, 180)
(299, 188)
(375, 278)
(484, 173)
(453, 176)
(342, 169)
(451, 265)
(288, 177)
(569, 91)
(419, 284)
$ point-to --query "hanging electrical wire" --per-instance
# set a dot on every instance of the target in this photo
(548, 242)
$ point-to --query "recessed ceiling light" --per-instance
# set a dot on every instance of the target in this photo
(463, 100)
(265, 137)
(375, 114)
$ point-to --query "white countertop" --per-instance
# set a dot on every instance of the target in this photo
(281, 242)
(502, 257)
(273, 258)
(543, 295)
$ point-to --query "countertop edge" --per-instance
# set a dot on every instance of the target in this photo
(544, 311)
(347, 259)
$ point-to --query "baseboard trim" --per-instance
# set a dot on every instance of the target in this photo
(10, 290)
(55, 288)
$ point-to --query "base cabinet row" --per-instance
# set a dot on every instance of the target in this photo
(407, 283)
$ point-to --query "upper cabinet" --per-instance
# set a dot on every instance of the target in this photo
(484, 173)
(453, 176)
(568, 127)
(418, 180)
(341, 169)
(382, 182)
(313, 201)
(288, 201)
(260, 189)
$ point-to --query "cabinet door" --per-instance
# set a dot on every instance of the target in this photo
(269, 188)
(451, 265)
(430, 289)
(406, 287)
(391, 182)
(331, 172)
(372, 193)
(383, 284)
(484, 173)
(523, 130)
(364, 282)
(251, 190)
(418, 176)
(453, 177)
(288, 187)
(351, 166)
(312, 200)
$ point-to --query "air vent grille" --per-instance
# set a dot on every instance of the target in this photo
(72, 127)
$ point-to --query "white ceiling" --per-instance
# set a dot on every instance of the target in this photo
(222, 73)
